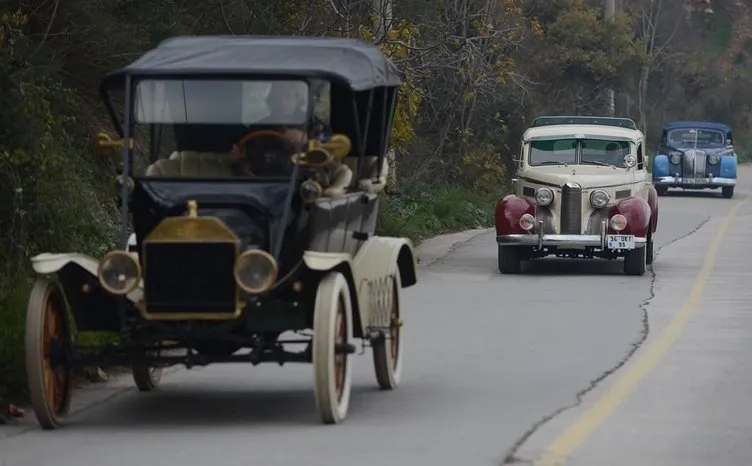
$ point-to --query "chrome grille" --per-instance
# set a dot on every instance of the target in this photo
(694, 163)
(571, 209)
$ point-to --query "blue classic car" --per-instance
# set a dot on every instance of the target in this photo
(695, 155)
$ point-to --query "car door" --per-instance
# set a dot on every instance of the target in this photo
(640, 175)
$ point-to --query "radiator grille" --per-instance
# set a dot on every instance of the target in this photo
(571, 209)
(189, 277)
(694, 164)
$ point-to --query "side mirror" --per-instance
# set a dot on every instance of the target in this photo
(630, 160)
(104, 144)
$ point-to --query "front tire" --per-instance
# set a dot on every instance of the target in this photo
(635, 261)
(387, 352)
(48, 365)
(661, 190)
(727, 192)
(649, 250)
(332, 323)
(510, 259)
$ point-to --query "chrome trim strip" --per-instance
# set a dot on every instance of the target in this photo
(699, 182)
(596, 241)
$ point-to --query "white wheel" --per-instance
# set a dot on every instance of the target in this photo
(332, 323)
(48, 369)
(387, 352)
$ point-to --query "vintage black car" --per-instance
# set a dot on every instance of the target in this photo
(249, 190)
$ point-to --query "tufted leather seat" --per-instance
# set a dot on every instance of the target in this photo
(368, 180)
(192, 164)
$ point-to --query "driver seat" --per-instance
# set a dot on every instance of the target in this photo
(189, 163)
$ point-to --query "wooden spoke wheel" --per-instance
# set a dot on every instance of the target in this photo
(332, 324)
(48, 364)
(387, 352)
(147, 378)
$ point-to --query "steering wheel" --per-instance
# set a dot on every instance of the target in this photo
(285, 137)
(238, 149)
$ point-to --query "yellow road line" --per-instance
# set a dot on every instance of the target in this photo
(569, 440)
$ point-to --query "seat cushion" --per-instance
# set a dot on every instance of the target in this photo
(192, 164)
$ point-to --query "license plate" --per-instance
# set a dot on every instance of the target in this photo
(620, 241)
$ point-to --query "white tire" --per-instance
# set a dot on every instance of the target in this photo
(332, 323)
(47, 326)
(387, 353)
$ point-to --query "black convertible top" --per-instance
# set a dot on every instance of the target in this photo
(360, 65)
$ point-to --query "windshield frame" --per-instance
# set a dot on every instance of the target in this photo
(578, 155)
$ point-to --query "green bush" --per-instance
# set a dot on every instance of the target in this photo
(418, 215)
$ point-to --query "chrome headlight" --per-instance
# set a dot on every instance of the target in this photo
(713, 159)
(544, 196)
(255, 271)
(599, 198)
(675, 158)
(119, 272)
(618, 222)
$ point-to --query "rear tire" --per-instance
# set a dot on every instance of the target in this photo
(387, 351)
(661, 190)
(649, 251)
(147, 378)
(727, 192)
(635, 262)
(510, 259)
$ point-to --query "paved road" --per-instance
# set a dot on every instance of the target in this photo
(497, 368)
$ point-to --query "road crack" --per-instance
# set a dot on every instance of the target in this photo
(510, 457)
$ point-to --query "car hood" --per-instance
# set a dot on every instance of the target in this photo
(587, 176)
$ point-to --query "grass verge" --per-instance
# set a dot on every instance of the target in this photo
(422, 214)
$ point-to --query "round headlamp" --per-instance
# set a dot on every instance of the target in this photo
(255, 271)
(675, 158)
(544, 197)
(713, 159)
(618, 222)
(119, 272)
(599, 198)
(527, 222)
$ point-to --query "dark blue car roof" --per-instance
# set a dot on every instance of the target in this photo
(696, 124)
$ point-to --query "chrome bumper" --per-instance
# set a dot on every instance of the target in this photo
(710, 182)
(540, 240)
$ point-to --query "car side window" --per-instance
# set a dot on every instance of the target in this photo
(640, 157)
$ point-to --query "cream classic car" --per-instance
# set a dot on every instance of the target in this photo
(582, 190)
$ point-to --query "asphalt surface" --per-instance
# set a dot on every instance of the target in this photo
(497, 368)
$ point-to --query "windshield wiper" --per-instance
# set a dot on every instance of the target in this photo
(598, 162)
(552, 162)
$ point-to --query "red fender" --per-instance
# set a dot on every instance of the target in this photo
(508, 213)
(638, 213)
(653, 203)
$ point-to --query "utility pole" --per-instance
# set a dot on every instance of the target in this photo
(610, 14)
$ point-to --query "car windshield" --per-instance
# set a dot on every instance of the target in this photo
(221, 102)
(579, 151)
(194, 128)
(696, 138)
